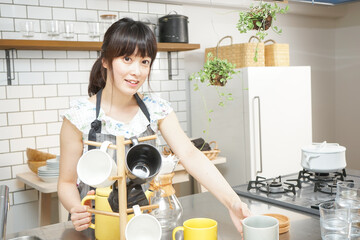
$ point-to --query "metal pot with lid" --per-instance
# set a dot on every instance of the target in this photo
(323, 157)
(173, 28)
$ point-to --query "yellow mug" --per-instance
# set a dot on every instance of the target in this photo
(198, 229)
(106, 227)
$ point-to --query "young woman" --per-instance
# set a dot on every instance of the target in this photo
(116, 108)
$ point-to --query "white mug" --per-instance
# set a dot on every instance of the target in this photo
(261, 227)
(96, 166)
(143, 226)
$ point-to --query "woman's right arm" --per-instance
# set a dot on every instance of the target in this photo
(71, 148)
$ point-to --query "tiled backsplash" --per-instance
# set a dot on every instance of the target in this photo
(46, 81)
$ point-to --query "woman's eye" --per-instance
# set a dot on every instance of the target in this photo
(146, 62)
(127, 59)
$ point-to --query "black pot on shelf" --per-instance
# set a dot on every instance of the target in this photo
(173, 28)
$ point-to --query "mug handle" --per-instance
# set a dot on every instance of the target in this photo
(105, 145)
(137, 210)
(181, 228)
(88, 197)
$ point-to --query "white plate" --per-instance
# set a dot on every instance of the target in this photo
(49, 179)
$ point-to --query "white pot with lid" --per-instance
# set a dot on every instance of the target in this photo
(323, 157)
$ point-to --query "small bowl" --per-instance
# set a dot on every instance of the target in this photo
(34, 165)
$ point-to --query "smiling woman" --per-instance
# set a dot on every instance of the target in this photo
(115, 108)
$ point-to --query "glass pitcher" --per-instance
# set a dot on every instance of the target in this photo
(163, 193)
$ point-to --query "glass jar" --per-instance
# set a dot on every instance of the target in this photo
(170, 210)
(106, 21)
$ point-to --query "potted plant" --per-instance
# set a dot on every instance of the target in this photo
(216, 72)
(260, 17)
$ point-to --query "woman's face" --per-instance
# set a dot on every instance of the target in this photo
(130, 73)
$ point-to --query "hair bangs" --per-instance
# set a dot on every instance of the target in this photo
(137, 40)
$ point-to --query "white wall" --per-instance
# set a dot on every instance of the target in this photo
(347, 83)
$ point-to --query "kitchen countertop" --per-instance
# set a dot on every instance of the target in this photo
(302, 225)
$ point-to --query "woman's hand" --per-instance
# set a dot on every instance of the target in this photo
(80, 217)
(238, 212)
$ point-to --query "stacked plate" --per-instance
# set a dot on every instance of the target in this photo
(49, 172)
(284, 222)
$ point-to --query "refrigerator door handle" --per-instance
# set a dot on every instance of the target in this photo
(260, 142)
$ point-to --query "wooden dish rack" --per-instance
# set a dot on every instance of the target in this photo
(211, 154)
(121, 178)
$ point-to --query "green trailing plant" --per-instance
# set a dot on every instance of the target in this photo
(260, 17)
(216, 72)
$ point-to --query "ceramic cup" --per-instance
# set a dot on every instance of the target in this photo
(96, 166)
(143, 226)
(143, 162)
(261, 227)
(198, 229)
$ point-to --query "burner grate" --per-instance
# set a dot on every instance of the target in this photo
(275, 185)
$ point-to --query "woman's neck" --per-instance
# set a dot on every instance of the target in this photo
(118, 105)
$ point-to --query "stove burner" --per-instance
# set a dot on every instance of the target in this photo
(274, 186)
(323, 182)
(306, 175)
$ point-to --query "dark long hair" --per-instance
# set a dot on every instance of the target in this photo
(121, 39)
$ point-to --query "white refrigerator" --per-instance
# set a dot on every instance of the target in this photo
(261, 131)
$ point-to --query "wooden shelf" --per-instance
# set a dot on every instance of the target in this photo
(81, 46)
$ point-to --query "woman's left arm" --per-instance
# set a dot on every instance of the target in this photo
(201, 168)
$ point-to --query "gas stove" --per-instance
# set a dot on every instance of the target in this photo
(302, 191)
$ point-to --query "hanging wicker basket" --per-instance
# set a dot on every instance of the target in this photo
(211, 154)
(242, 55)
(276, 54)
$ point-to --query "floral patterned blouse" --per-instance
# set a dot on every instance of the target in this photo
(82, 113)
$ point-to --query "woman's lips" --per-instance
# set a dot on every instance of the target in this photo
(133, 83)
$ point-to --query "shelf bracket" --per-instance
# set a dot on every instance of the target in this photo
(10, 64)
(170, 65)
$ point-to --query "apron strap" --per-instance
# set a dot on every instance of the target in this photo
(142, 106)
(96, 124)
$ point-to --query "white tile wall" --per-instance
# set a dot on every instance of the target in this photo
(55, 77)
(8, 159)
(42, 65)
(45, 116)
(14, 185)
(75, 4)
(25, 196)
(13, 11)
(2, 92)
(39, 12)
(4, 146)
(119, 5)
(10, 132)
(47, 141)
(5, 173)
(141, 7)
(64, 14)
(52, 3)
(46, 81)
(7, 24)
(67, 65)
(3, 119)
(21, 144)
(19, 91)
(11, 105)
(57, 102)
(20, 118)
(45, 91)
(31, 104)
(31, 78)
(97, 4)
(69, 90)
